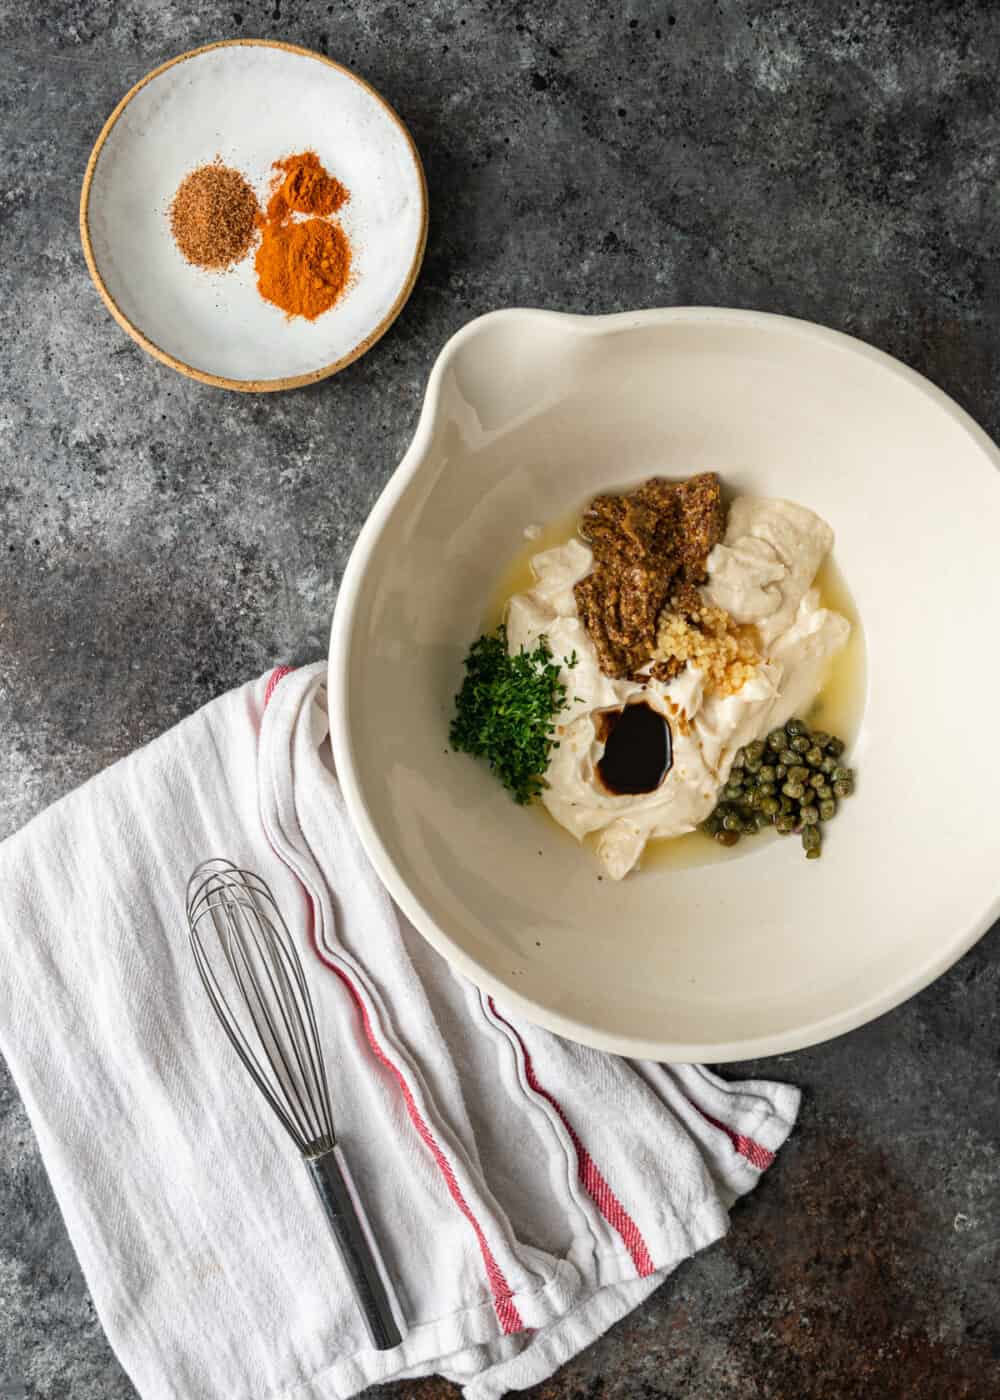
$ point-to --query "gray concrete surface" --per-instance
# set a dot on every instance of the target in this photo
(162, 541)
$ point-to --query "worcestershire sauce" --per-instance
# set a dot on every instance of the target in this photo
(638, 751)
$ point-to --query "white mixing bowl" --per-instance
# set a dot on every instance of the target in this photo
(527, 414)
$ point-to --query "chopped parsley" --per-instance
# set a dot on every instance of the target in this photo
(505, 711)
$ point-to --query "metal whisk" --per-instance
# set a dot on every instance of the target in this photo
(254, 979)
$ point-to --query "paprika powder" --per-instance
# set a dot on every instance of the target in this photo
(303, 265)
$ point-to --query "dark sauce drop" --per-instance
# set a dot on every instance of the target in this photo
(638, 751)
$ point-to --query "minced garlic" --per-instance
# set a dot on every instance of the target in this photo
(725, 652)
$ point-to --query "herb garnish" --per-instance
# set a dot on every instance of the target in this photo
(505, 711)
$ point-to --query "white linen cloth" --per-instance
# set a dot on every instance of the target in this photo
(526, 1192)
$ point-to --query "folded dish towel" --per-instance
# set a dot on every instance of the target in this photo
(526, 1192)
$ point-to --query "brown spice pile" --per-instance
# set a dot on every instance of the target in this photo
(213, 216)
(649, 545)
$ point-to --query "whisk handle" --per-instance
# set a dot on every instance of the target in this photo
(357, 1246)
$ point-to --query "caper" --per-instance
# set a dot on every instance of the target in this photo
(727, 837)
(795, 728)
(787, 805)
(766, 774)
(811, 838)
(770, 806)
(767, 789)
(809, 814)
(835, 747)
(817, 780)
(800, 744)
(788, 757)
(732, 822)
(814, 756)
(825, 792)
(820, 738)
(780, 772)
(712, 825)
(733, 791)
(828, 766)
(785, 824)
(777, 739)
(798, 774)
(738, 760)
(755, 751)
(827, 810)
(843, 775)
(791, 789)
(752, 765)
(842, 788)
(813, 852)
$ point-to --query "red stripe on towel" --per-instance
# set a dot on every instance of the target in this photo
(503, 1294)
(590, 1176)
(758, 1156)
(278, 674)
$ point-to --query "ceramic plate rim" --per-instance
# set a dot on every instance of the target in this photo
(248, 386)
(748, 1048)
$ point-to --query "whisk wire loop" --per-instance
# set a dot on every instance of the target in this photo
(260, 1073)
(236, 926)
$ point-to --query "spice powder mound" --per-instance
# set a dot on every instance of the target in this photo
(303, 264)
(307, 188)
(213, 216)
(303, 267)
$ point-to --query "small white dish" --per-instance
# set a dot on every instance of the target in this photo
(529, 413)
(249, 102)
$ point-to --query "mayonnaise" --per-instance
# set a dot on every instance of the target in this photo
(762, 573)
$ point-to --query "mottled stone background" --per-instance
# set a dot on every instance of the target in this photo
(162, 541)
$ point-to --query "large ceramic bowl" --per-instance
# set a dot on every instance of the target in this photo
(527, 414)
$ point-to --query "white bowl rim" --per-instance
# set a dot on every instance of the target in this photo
(219, 381)
(751, 1047)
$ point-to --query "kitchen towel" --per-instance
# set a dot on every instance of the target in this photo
(527, 1192)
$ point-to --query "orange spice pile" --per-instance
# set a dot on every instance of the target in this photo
(303, 265)
(306, 189)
